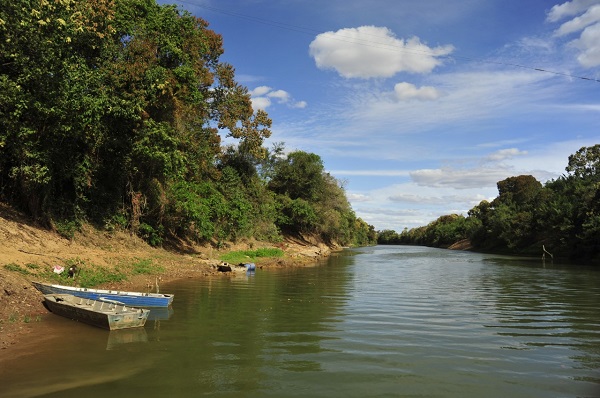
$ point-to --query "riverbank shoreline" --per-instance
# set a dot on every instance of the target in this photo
(28, 253)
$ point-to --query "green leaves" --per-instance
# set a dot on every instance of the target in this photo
(563, 215)
(155, 152)
(114, 109)
(309, 200)
(585, 163)
(192, 209)
(299, 176)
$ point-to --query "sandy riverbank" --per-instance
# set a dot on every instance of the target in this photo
(27, 252)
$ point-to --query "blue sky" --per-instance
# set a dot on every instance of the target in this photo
(419, 107)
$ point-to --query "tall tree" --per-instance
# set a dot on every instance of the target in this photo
(300, 176)
(113, 111)
(585, 163)
(50, 54)
(108, 102)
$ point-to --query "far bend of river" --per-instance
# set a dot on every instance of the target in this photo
(385, 321)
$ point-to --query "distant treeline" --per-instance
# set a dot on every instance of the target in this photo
(563, 215)
(112, 111)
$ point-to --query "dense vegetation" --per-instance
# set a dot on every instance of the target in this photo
(562, 215)
(112, 111)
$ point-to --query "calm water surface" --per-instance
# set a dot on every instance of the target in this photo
(387, 321)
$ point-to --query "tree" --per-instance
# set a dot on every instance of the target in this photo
(585, 163)
(112, 111)
(50, 55)
(512, 218)
(388, 237)
(106, 103)
(299, 176)
(521, 190)
(169, 63)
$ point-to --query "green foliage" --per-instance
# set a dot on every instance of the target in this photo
(442, 232)
(27, 269)
(112, 112)
(116, 222)
(309, 200)
(192, 209)
(246, 256)
(145, 266)
(151, 235)
(388, 237)
(97, 276)
(563, 215)
(155, 152)
(296, 215)
(89, 274)
(299, 176)
(362, 234)
(234, 216)
(16, 268)
(521, 190)
(67, 228)
(94, 275)
(585, 163)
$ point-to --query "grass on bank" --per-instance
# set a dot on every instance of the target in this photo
(28, 270)
(89, 274)
(15, 318)
(18, 318)
(251, 256)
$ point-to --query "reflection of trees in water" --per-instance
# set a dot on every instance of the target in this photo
(241, 330)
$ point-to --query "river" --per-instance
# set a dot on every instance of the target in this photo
(384, 321)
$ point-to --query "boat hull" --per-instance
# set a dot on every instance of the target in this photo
(102, 314)
(134, 299)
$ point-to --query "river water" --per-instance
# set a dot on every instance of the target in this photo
(384, 321)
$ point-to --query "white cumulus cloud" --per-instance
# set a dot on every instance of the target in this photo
(372, 52)
(569, 8)
(282, 96)
(585, 18)
(260, 91)
(355, 197)
(262, 98)
(299, 104)
(590, 17)
(407, 91)
(589, 44)
(260, 103)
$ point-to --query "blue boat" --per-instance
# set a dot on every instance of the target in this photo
(135, 299)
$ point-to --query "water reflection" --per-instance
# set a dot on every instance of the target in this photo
(76, 357)
(247, 329)
(160, 313)
(117, 338)
(381, 321)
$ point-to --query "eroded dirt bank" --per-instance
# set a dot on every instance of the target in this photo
(28, 253)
